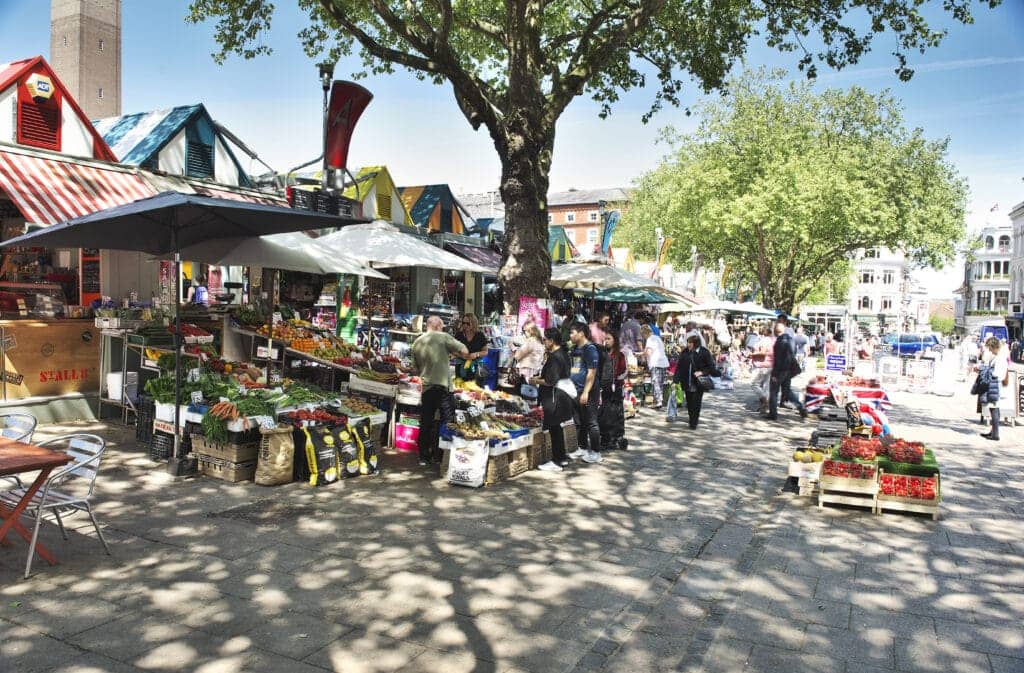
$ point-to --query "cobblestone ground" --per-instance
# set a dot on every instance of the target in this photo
(679, 555)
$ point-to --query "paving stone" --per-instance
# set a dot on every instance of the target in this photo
(363, 652)
(648, 652)
(775, 660)
(896, 624)
(929, 654)
(759, 626)
(870, 646)
(1004, 639)
(810, 610)
(724, 655)
(129, 636)
(676, 615)
(61, 617)
(1006, 664)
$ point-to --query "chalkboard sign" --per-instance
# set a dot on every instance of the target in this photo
(1020, 395)
(90, 276)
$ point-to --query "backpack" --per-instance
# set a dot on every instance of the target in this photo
(605, 368)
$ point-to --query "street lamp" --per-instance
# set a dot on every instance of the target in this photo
(326, 70)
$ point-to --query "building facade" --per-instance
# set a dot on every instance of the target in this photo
(1015, 315)
(985, 293)
(578, 211)
(877, 293)
(85, 52)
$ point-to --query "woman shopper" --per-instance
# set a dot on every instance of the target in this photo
(611, 417)
(530, 356)
(694, 362)
(999, 376)
(657, 363)
(554, 399)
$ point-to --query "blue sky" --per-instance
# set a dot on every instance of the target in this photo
(970, 89)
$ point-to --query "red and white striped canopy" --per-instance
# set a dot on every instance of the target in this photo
(48, 191)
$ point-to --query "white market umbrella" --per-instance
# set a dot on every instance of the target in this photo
(274, 253)
(382, 244)
(598, 276)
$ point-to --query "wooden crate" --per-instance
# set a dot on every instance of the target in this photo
(569, 432)
(225, 470)
(507, 466)
(896, 503)
(540, 451)
(232, 453)
(846, 491)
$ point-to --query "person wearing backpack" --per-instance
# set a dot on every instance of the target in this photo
(584, 374)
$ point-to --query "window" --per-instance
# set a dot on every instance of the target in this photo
(199, 160)
(984, 301)
(65, 40)
(101, 44)
(864, 304)
(1004, 243)
(888, 277)
(592, 216)
(39, 123)
(551, 218)
(867, 277)
(989, 243)
(871, 253)
(1002, 300)
(886, 303)
(988, 269)
(591, 235)
(101, 92)
(570, 217)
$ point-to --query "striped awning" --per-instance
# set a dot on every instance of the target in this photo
(52, 190)
(249, 196)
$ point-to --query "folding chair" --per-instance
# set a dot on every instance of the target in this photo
(86, 452)
(20, 428)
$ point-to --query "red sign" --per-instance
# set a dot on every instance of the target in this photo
(348, 100)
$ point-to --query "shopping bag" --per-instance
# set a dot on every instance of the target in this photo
(467, 464)
(678, 392)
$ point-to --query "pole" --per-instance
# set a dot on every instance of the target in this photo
(326, 75)
(175, 464)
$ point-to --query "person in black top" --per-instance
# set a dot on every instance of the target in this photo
(556, 402)
(784, 368)
(473, 339)
(695, 361)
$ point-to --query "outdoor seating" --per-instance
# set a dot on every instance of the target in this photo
(20, 428)
(86, 451)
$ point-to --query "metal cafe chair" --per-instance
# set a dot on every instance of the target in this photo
(86, 452)
(20, 428)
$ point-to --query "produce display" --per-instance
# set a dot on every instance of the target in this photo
(489, 426)
(192, 333)
(307, 417)
(902, 451)
(858, 382)
(380, 377)
(810, 455)
(357, 407)
(908, 486)
(860, 448)
(835, 468)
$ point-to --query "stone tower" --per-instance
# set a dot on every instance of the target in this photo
(85, 52)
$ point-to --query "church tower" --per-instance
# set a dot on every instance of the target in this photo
(85, 52)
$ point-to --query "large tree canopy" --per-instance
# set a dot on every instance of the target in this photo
(515, 66)
(785, 185)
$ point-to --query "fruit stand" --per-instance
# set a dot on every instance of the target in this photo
(820, 391)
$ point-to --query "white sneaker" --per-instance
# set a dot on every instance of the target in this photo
(577, 454)
(549, 466)
(591, 457)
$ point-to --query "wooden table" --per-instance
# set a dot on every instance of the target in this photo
(17, 458)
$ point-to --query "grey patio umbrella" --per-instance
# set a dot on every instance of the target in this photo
(165, 224)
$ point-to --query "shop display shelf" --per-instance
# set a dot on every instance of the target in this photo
(357, 384)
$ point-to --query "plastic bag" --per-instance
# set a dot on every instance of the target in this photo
(467, 464)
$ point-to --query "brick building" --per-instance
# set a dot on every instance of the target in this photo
(578, 211)
(85, 52)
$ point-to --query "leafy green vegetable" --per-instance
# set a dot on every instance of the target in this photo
(215, 429)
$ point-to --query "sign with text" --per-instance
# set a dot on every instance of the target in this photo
(835, 363)
(537, 309)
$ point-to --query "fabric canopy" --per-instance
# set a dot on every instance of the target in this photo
(263, 251)
(382, 244)
(485, 257)
(634, 296)
(597, 276)
(48, 191)
(171, 221)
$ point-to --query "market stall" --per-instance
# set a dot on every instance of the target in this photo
(821, 390)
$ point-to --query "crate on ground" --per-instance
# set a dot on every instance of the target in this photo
(407, 437)
(569, 433)
(507, 465)
(888, 500)
(276, 457)
(540, 451)
(161, 444)
(226, 470)
(234, 453)
(144, 416)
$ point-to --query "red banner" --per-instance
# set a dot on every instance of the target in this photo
(348, 100)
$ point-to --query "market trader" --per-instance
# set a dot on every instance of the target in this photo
(431, 352)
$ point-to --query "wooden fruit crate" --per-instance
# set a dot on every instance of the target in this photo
(225, 470)
(847, 491)
(898, 503)
(232, 453)
(540, 451)
(507, 466)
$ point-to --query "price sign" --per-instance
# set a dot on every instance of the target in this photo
(197, 396)
(835, 363)
(474, 411)
(277, 318)
(484, 426)
(242, 390)
(223, 399)
(275, 377)
(264, 352)
(265, 422)
(460, 416)
(194, 374)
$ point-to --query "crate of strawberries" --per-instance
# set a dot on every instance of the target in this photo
(909, 487)
(903, 451)
(860, 448)
(304, 418)
(838, 475)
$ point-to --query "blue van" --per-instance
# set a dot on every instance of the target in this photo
(993, 328)
(912, 344)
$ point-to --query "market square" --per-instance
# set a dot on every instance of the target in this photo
(321, 350)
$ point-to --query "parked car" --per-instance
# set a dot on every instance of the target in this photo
(912, 344)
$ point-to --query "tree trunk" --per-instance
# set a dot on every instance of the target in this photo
(526, 263)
